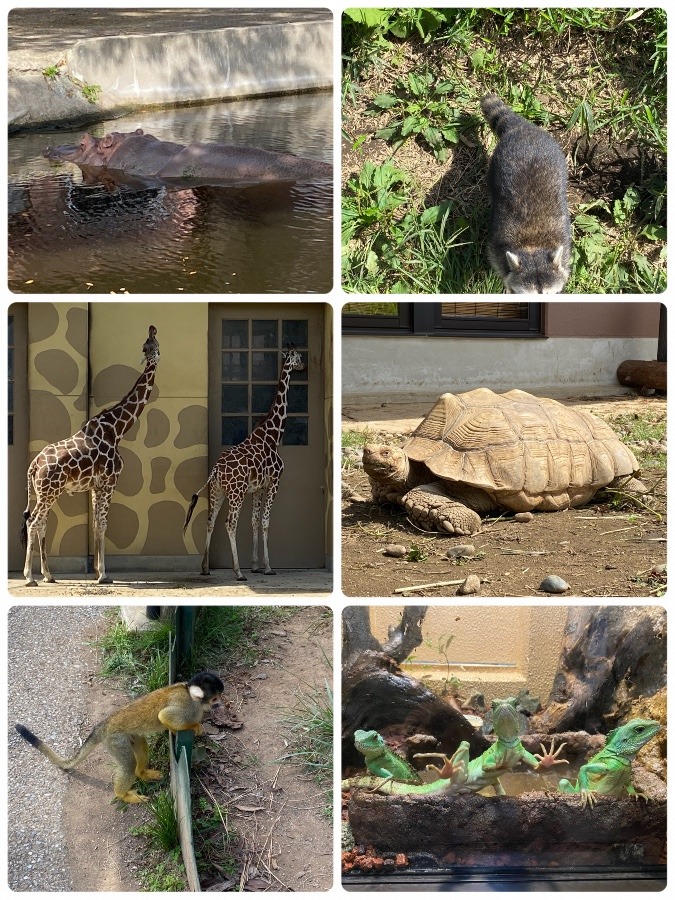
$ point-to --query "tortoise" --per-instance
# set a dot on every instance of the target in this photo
(479, 452)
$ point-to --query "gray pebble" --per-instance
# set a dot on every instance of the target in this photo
(661, 569)
(523, 517)
(471, 585)
(461, 550)
(398, 551)
(554, 584)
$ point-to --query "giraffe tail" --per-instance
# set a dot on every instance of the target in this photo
(24, 529)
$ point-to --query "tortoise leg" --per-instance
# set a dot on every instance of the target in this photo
(430, 508)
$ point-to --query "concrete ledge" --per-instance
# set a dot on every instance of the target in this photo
(229, 63)
(167, 69)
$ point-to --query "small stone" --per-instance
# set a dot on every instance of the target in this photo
(523, 517)
(554, 584)
(661, 569)
(471, 585)
(398, 551)
(461, 550)
(357, 498)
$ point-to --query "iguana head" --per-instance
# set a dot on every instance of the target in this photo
(505, 720)
(627, 739)
(369, 742)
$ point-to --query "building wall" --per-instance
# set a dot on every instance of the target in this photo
(82, 358)
(583, 345)
(496, 650)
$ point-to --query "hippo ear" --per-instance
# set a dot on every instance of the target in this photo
(139, 131)
(107, 141)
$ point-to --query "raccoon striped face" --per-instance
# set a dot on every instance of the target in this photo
(536, 271)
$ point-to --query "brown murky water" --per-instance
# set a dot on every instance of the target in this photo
(66, 236)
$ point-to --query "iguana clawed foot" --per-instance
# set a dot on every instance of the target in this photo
(550, 758)
(454, 768)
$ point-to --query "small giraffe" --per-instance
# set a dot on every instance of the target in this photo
(253, 465)
(87, 461)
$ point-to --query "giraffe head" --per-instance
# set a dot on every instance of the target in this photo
(293, 360)
(151, 347)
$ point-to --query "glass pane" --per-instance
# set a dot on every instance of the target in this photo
(234, 398)
(10, 399)
(234, 431)
(297, 398)
(10, 330)
(296, 431)
(235, 367)
(370, 309)
(10, 429)
(301, 374)
(265, 333)
(265, 366)
(294, 331)
(10, 363)
(235, 333)
(490, 310)
(262, 396)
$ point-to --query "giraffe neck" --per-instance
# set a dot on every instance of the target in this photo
(121, 417)
(273, 426)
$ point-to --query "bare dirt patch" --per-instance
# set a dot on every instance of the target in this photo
(280, 836)
(598, 550)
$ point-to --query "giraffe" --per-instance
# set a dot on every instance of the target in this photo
(253, 465)
(87, 461)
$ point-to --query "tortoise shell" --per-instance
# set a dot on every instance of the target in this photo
(526, 452)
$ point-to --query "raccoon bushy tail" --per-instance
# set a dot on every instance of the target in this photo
(94, 739)
(498, 115)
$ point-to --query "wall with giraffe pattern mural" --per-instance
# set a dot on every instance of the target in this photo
(83, 357)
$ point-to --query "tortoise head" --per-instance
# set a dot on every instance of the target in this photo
(384, 463)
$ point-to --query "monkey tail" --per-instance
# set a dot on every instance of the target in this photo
(498, 115)
(90, 744)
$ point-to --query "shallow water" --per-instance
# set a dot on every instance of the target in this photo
(66, 236)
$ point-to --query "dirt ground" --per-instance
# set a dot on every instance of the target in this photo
(284, 839)
(597, 550)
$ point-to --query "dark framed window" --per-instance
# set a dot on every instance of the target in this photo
(474, 318)
(10, 379)
(250, 367)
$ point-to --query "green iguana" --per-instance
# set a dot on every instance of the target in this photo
(609, 771)
(459, 775)
(381, 761)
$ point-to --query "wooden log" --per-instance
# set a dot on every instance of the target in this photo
(643, 374)
(377, 694)
(542, 822)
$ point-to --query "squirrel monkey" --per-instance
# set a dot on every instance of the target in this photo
(179, 707)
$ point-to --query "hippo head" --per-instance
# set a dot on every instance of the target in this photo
(91, 151)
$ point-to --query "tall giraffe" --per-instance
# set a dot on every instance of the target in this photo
(253, 465)
(87, 461)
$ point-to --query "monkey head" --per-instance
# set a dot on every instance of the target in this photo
(206, 688)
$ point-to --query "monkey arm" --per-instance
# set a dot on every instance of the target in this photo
(185, 717)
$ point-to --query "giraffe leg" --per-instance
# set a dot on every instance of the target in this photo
(37, 531)
(255, 521)
(271, 493)
(100, 501)
(216, 500)
(235, 499)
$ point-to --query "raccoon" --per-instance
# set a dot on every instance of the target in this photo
(529, 241)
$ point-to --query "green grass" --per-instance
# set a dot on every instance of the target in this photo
(636, 429)
(162, 832)
(593, 77)
(309, 726)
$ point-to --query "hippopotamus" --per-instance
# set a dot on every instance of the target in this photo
(144, 156)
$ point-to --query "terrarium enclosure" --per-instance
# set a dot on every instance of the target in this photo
(533, 737)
